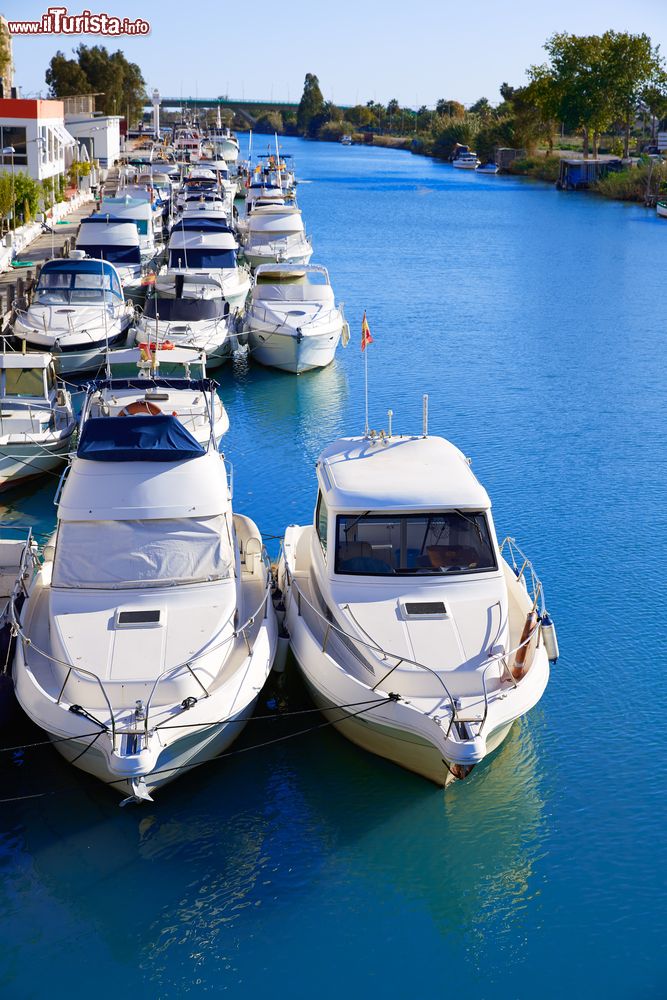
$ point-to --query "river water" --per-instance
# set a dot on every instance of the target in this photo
(533, 319)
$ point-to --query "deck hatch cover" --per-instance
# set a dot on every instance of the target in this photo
(425, 608)
(138, 618)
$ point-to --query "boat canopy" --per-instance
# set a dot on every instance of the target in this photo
(191, 237)
(281, 221)
(139, 438)
(112, 240)
(185, 310)
(131, 210)
(204, 224)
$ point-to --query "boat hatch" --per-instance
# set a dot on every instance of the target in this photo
(150, 618)
(423, 609)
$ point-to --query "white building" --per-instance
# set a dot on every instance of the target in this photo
(99, 133)
(35, 130)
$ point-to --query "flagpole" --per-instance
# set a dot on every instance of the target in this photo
(366, 390)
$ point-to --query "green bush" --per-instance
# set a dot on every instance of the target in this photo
(542, 168)
(633, 184)
(462, 132)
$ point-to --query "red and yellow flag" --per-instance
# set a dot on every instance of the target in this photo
(366, 338)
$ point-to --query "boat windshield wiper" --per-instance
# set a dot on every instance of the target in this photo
(474, 523)
(353, 524)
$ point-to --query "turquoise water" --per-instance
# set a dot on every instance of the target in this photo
(533, 320)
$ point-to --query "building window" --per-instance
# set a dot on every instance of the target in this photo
(44, 144)
(14, 135)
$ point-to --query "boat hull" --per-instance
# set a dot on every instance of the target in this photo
(19, 463)
(291, 353)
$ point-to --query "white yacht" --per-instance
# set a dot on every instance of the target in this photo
(275, 235)
(187, 310)
(148, 630)
(37, 424)
(293, 322)
(171, 381)
(225, 144)
(200, 246)
(413, 632)
(466, 161)
(78, 313)
(105, 238)
(488, 168)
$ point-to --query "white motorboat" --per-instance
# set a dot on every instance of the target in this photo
(346, 140)
(148, 631)
(171, 381)
(661, 209)
(466, 161)
(275, 235)
(293, 322)
(225, 144)
(202, 247)
(487, 168)
(137, 210)
(36, 419)
(105, 238)
(78, 313)
(414, 634)
(187, 310)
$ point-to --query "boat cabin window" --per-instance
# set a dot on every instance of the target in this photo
(119, 555)
(122, 255)
(202, 259)
(321, 521)
(19, 382)
(416, 544)
(185, 310)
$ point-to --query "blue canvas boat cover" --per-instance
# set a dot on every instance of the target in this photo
(139, 438)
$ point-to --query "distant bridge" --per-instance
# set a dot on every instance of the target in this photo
(234, 103)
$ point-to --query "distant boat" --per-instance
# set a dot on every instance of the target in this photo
(346, 140)
(661, 209)
(487, 168)
(466, 161)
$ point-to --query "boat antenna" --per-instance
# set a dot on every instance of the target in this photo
(366, 339)
(390, 414)
(425, 415)
(104, 313)
(280, 178)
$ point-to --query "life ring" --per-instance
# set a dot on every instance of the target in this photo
(143, 406)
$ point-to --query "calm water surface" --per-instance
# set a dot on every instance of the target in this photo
(533, 320)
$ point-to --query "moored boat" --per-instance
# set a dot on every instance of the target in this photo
(414, 634)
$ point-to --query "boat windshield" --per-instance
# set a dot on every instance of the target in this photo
(416, 544)
(20, 382)
(69, 287)
(120, 555)
(206, 259)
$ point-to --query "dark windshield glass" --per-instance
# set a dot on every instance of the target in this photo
(424, 544)
(184, 310)
(205, 259)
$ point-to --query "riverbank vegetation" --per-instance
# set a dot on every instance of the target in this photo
(606, 90)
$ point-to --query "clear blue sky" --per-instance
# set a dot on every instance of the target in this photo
(415, 51)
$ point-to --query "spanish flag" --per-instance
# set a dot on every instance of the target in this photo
(366, 338)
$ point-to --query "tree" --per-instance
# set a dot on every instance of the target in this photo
(450, 109)
(482, 108)
(632, 65)
(311, 103)
(65, 77)
(6, 196)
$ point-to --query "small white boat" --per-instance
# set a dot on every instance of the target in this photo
(414, 635)
(466, 161)
(293, 322)
(487, 168)
(187, 310)
(163, 381)
(36, 419)
(346, 140)
(225, 144)
(105, 238)
(275, 235)
(661, 209)
(78, 313)
(148, 631)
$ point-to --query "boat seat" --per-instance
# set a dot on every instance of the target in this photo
(449, 555)
(358, 557)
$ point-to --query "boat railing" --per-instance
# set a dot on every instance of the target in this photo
(500, 659)
(524, 571)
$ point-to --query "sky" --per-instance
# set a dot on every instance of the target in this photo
(361, 50)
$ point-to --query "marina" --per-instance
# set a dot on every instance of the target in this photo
(556, 424)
